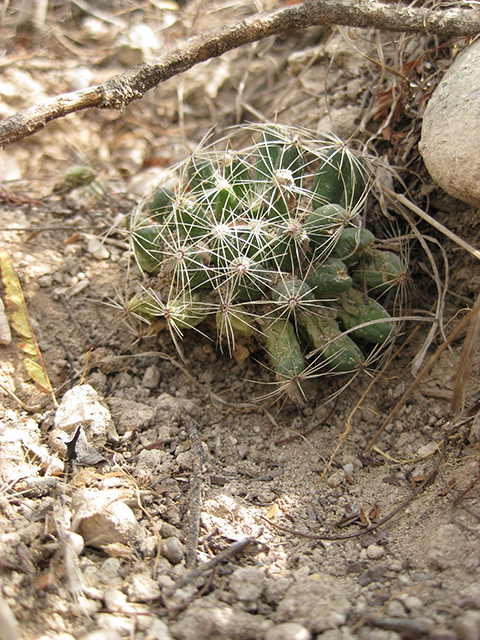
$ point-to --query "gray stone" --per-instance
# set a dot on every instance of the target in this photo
(82, 406)
(129, 415)
(318, 602)
(151, 377)
(450, 143)
(101, 518)
(204, 621)
(468, 625)
(172, 550)
(247, 583)
(143, 589)
(451, 548)
(288, 631)
(375, 551)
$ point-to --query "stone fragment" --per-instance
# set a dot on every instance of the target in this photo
(82, 405)
(102, 518)
(97, 249)
(129, 415)
(5, 333)
(172, 550)
(151, 377)
(8, 622)
(451, 548)
(318, 602)
(288, 631)
(204, 621)
(450, 143)
(375, 551)
(143, 589)
(170, 408)
(247, 583)
(467, 625)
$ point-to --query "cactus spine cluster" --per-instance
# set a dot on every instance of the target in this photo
(268, 241)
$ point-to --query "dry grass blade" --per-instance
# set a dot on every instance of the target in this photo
(464, 367)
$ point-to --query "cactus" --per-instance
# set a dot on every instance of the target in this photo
(267, 242)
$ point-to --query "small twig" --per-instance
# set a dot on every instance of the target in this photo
(233, 549)
(433, 359)
(315, 536)
(118, 92)
(197, 482)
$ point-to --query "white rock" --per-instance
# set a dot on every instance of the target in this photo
(143, 589)
(151, 377)
(318, 602)
(247, 583)
(450, 143)
(375, 551)
(468, 625)
(101, 518)
(5, 333)
(8, 622)
(97, 249)
(81, 405)
(288, 631)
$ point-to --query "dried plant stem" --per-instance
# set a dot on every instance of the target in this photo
(435, 223)
(433, 359)
(197, 483)
(132, 85)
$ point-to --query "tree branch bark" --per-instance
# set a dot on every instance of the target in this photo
(132, 85)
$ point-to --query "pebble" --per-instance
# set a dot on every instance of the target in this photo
(375, 551)
(101, 519)
(450, 133)
(172, 550)
(97, 249)
(82, 404)
(103, 634)
(129, 415)
(468, 625)
(143, 589)
(151, 377)
(336, 479)
(158, 630)
(288, 631)
(247, 583)
(5, 333)
(451, 548)
(8, 622)
(395, 609)
(318, 602)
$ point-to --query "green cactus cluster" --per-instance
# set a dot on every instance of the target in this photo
(268, 242)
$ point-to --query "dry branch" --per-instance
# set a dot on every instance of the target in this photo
(120, 90)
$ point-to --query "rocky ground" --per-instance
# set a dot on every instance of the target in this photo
(163, 499)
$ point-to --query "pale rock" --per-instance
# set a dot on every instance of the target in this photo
(450, 143)
(129, 415)
(318, 602)
(247, 583)
(375, 551)
(82, 406)
(172, 549)
(158, 630)
(8, 622)
(101, 518)
(151, 377)
(5, 333)
(204, 621)
(143, 589)
(288, 631)
(97, 249)
(468, 625)
(450, 547)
